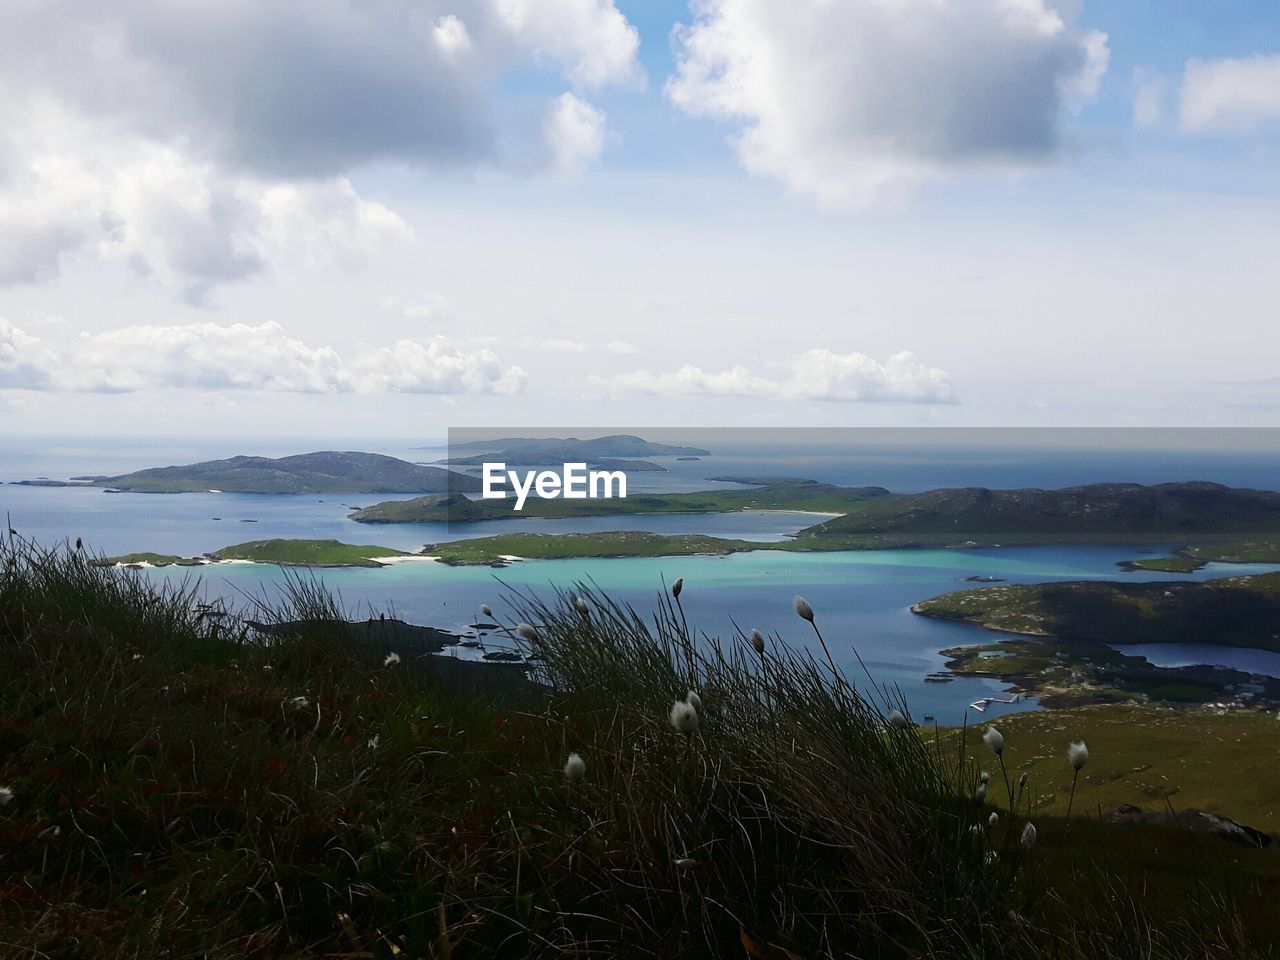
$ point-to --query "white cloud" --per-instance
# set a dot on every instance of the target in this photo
(435, 366)
(574, 132)
(566, 345)
(1230, 95)
(814, 375)
(848, 102)
(213, 357)
(451, 36)
(1148, 97)
(591, 37)
(201, 141)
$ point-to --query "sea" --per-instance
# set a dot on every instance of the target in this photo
(862, 599)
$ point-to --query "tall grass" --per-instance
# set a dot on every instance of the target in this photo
(188, 786)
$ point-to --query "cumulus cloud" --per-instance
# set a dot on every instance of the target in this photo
(212, 357)
(847, 102)
(574, 132)
(1230, 95)
(813, 375)
(197, 140)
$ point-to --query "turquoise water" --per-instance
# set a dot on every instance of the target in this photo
(862, 599)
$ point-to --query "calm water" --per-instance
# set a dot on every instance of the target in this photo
(862, 599)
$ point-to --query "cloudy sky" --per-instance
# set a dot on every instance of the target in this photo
(316, 217)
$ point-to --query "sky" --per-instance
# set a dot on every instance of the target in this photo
(390, 217)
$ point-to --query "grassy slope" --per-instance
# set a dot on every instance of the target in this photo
(169, 798)
(1236, 611)
(1148, 756)
(310, 553)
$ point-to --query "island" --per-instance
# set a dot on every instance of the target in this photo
(309, 473)
(1064, 653)
(280, 552)
(1191, 559)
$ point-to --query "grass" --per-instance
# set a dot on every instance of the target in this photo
(173, 796)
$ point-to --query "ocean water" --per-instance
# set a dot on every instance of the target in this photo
(863, 599)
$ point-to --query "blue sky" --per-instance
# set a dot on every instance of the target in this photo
(313, 217)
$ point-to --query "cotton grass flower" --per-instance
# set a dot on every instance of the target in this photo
(527, 632)
(1029, 835)
(300, 703)
(803, 610)
(898, 719)
(993, 820)
(580, 603)
(757, 642)
(1078, 754)
(391, 659)
(984, 777)
(6, 796)
(684, 717)
(693, 700)
(981, 793)
(575, 768)
(486, 610)
(994, 739)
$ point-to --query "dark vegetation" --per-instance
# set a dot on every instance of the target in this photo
(184, 786)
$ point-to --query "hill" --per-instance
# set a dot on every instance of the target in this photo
(1207, 509)
(1234, 611)
(167, 789)
(324, 472)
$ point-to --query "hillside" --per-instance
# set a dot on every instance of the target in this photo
(1208, 509)
(167, 789)
(1235, 611)
(325, 472)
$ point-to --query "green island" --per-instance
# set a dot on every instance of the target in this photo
(1064, 655)
(309, 473)
(281, 552)
(1191, 559)
(153, 758)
